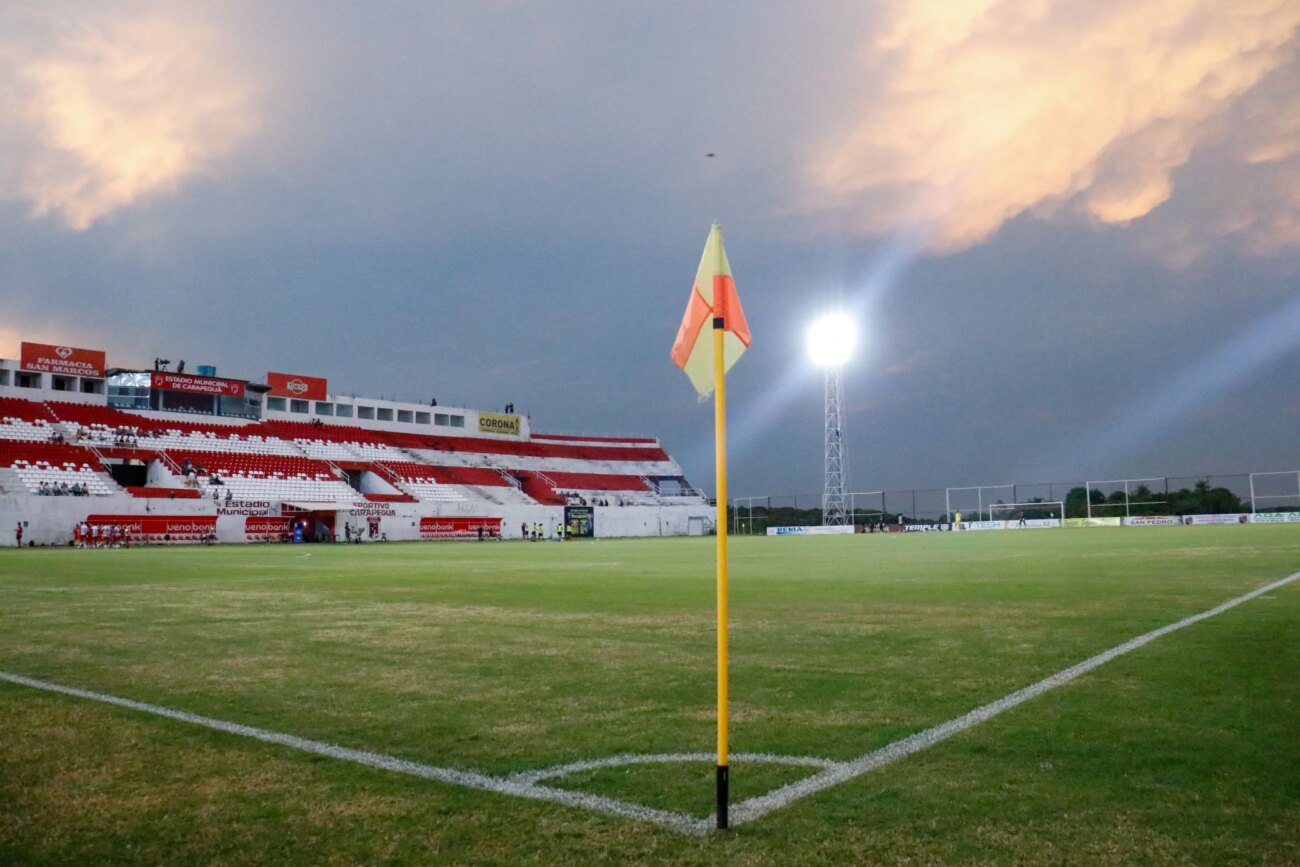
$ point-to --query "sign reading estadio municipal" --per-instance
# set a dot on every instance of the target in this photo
(65, 360)
(198, 384)
(294, 385)
(495, 423)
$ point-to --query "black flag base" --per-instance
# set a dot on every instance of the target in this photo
(722, 797)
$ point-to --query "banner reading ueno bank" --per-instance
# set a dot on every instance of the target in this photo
(459, 528)
(64, 360)
(495, 423)
(294, 385)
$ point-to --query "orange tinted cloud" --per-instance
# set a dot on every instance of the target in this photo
(123, 103)
(992, 108)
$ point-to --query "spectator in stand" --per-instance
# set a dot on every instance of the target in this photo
(185, 466)
(230, 495)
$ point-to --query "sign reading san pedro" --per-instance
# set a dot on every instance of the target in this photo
(65, 360)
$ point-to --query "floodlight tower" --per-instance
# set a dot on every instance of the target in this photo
(830, 342)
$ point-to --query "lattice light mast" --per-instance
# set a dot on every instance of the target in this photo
(830, 342)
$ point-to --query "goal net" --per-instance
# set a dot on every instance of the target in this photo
(1036, 514)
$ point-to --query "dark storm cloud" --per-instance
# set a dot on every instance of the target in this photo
(505, 202)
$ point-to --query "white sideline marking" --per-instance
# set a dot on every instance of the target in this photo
(754, 808)
(469, 779)
(525, 784)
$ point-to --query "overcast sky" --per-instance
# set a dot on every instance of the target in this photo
(1071, 230)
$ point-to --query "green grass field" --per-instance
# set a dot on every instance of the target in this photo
(511, 657)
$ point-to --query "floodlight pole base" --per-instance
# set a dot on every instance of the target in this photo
(722, 796)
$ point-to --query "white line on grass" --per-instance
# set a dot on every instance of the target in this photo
(754, 808)
(525, 784)
(469, 779)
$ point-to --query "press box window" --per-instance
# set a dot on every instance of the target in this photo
(385, 414)
(366, 412)
(324, 408)
(298, 406)
(404, 415)
(421, 418)
(275, 403)
(343, 410)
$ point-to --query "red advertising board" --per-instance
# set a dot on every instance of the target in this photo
(459, 528)
(293, 385)
(198, 384)
(161, 528)
(266, 528)
(66, 360)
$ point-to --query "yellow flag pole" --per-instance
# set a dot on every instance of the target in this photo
(720, 445)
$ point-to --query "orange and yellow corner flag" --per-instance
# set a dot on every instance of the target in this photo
(713, 296)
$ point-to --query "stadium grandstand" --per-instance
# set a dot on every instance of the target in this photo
(185, 457)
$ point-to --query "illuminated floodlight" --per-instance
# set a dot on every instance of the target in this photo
(831, 339)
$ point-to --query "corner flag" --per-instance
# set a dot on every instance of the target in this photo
(706, 362)
(714, 296)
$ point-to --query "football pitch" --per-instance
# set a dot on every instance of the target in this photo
(515, 703)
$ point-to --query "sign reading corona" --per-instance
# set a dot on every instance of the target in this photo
(293, 385)
(198, 384)
(495, 423)
(65, 360)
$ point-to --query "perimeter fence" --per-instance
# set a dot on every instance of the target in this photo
(1218, 493)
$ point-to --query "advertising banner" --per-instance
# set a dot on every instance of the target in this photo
(64, 360)
(293, 385)
(495, 423)
(1216, 519)
(1092, 522)
(1276, 518)
(266, 529)
(198, 384)
(1151, 521)
(809, 531)
(459, 528)
(248, 507)
(161, 528)
(579, 521)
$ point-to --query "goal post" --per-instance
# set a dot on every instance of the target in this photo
(976, 499)
(1275, 492)
(1144, 489)
(865, 507)
(1039, 513)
